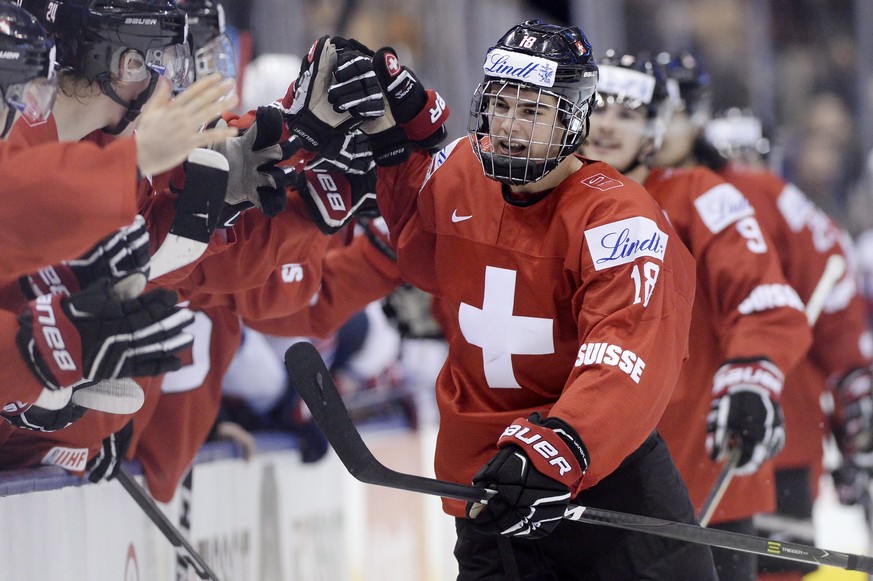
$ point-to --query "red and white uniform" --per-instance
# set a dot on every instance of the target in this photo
(804, 238)
(743, 308)
(60, 198)
(578, 305)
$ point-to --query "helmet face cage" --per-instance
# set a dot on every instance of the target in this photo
(542, 126)
(547, 73)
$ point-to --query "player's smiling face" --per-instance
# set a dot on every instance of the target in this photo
(618, 135)
(524, 123)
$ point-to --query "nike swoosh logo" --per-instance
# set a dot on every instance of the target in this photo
(456, 218)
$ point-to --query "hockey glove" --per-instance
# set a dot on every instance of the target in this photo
(119, 256)
(414, 115)
(92, 335)
(851, 483)
(745, 412)
(334, 197)
(105, 465)
(538, 469)
(335, 91)
(38, 419)
(254, 178)
(853, 417)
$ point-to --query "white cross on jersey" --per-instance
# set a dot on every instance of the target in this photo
(501, 334)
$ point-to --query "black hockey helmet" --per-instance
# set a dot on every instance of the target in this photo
(27, 66)
(695, 92)
(96, 37)
(638, 81)
(549, 60)
(210, 45)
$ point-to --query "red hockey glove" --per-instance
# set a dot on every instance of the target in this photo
(92, 335)
(335, 91)
(414, 115)
(538, 470)
(336, 190)
(745, 412)
(852, 422)
(118, 256)
(38, 419)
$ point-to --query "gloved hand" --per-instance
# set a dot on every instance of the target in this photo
(118, 256)
(414, 115)
(105, 465)
(38, 419)
(538, 469)
(336, 190)
(746, 412)
(851, 483)
(255, 179)
(93, 335)
(335, 91)
(853, 417)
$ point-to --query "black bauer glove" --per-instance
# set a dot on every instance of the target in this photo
(414, 115)
(539, 468)
(335, 91)
(338, 189)
(746, 412)
(38, 419)
(118, 256)
(255, 179)
(105, 465)
(93, 335)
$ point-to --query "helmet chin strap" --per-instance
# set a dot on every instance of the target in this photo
(134, 108)
(10, 119)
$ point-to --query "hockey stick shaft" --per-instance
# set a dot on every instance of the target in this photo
(312, 380)
(719, 487)
(833, 271)
(157, 516)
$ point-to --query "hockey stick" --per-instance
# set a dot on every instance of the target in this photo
(833, 271)
(312, 380)
(157, 516)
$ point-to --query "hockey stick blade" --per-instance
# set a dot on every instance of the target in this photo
(310, 377)
(312, 380)
(197, 212)
(157, 516)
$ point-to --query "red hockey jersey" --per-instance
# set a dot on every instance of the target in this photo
(577, 306)
(743, 308)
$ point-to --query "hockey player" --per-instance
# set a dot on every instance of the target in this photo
(99, 91)
(748, 327)
(804, 238)
(570, 302)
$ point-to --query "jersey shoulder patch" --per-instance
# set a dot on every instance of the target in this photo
(624, 241)
(721, 206)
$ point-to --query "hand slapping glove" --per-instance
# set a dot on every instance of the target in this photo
(539, 468)
(338, 189)
(335, 92)
(255, 179)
